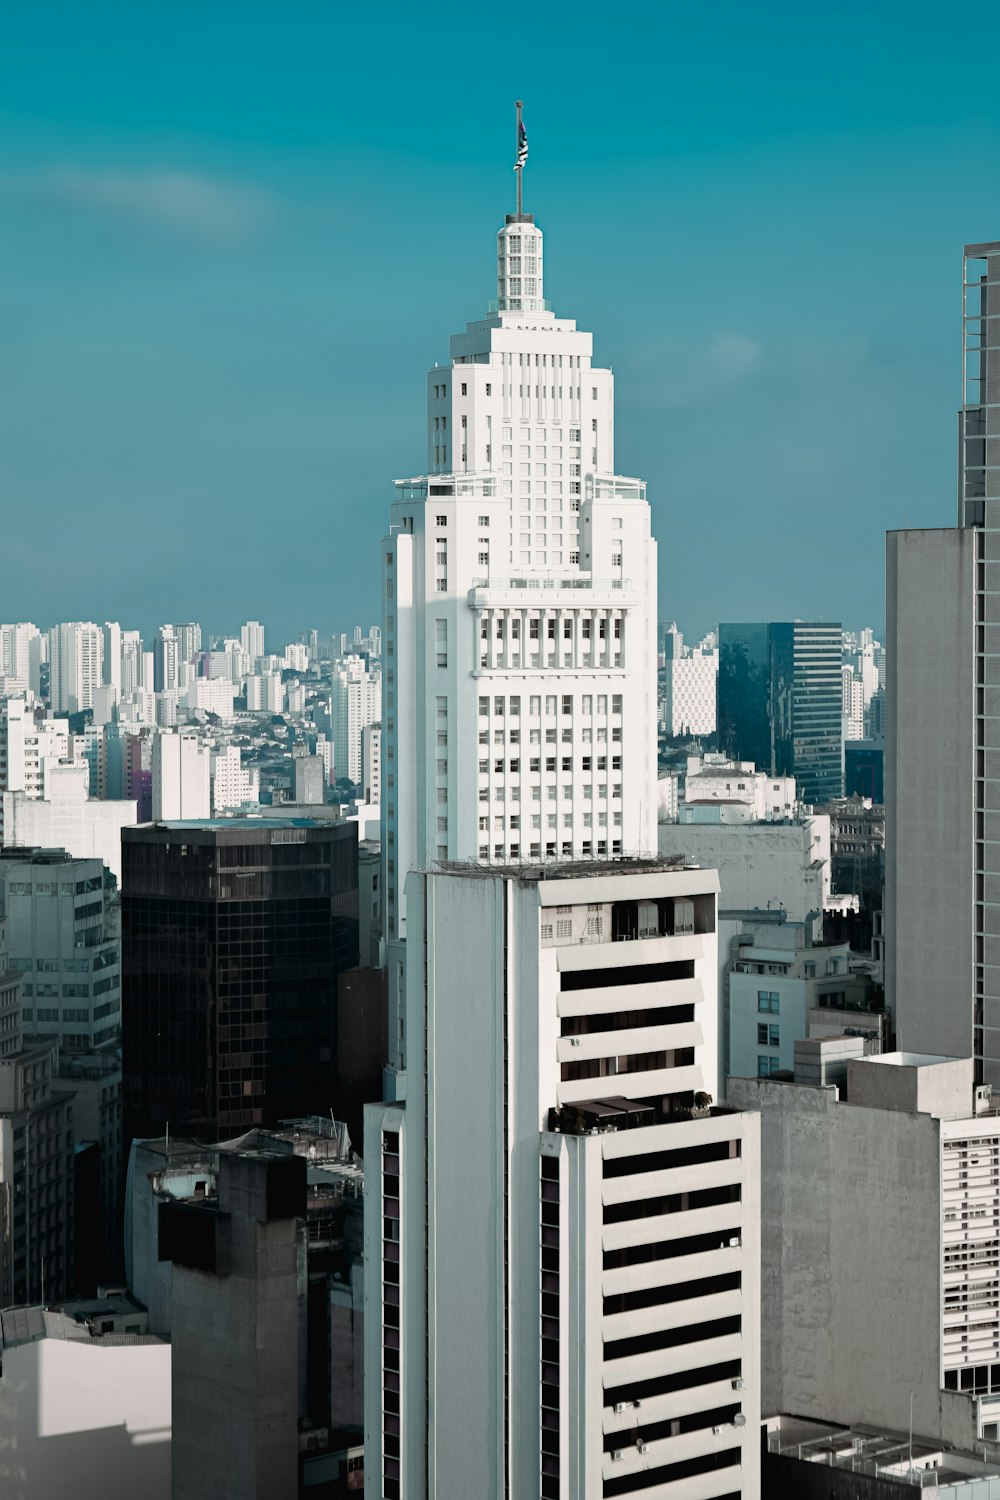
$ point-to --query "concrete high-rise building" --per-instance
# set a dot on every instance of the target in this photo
(18, 658)
(780, 695)
(28, 748)
(76, 653)
(63, 937)
(689, 685)
(371, 763)
(233, 785)
(355, 702)
(942, 738)
(233, 935)
(252, 641)
(181, 777)
(561, 1231)
(527, 730)
(112, 648)
(166, 660)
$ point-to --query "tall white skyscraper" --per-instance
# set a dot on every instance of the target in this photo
(76, 653)
(561, 1231)
(355, 703)
(520, 605)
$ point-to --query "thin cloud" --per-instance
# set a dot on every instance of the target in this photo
(183, 204)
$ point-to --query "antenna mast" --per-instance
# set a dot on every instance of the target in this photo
(521, 154)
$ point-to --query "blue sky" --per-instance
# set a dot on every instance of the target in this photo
(235, 236)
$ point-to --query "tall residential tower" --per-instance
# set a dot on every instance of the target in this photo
(520, 605)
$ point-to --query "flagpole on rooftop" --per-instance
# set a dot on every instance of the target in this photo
(519, 169)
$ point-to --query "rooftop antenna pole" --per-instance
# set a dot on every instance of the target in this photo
(520, 154)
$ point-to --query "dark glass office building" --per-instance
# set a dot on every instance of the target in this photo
(233, 936)
(779, 702)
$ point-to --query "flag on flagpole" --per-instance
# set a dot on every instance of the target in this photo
(522, 146)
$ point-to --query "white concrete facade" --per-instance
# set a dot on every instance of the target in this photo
(520, 606)
(76, 655)
(181, 777)
(577, 1339)
(67, 817)
(689, 691)
(781, 866)
(355, 703)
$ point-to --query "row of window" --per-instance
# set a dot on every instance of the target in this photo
(564, 702)
(535, 764)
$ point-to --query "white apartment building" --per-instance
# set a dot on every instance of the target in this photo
(212, 695)
(853, 705)
(355, 702)
(897, 1177)
(132, 664)
(76, 654)
(20, 655)
(26, 745)
(252, 641)
(713, 779)
(67, 817)
(690, 679)
(232, 784)
(265, 693)
(371, 763)
(520, 605)
(181, 777)
(561, 1232)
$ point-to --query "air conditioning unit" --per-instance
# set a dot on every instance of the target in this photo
(574, 1041)
(616, 1455)
(642, 1447)
(739, 1420)
(619, 1407)
(735, 1240)
(738, 1383)
(716, 1431)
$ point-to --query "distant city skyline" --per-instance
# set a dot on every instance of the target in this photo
(228, 268)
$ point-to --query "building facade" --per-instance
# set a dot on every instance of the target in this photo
(942, 740)
(233, 935)
(63, 934)
(561, 1238)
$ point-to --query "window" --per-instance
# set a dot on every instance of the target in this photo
(767, 1065)
(767, 1002)
(465, 389)
(489, 389)
(442, 520)
(767, 1034)
(484, 520)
